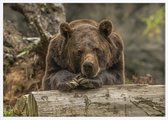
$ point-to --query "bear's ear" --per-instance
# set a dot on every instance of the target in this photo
(65, 30)
(105, 27)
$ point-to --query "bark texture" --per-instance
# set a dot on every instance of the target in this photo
(118, 100)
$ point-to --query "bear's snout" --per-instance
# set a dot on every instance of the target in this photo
(90, 66)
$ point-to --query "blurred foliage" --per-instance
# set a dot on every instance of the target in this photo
(154, 22)
(25, 51)
(8, 113)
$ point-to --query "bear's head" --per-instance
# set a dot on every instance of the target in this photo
(90, 47)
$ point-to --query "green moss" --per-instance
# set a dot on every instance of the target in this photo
(127, 81)
(8, 113)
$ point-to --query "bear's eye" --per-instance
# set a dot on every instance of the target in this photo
(79, 52)
(97, 50)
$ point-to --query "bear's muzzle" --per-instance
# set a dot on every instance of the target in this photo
(90, 67)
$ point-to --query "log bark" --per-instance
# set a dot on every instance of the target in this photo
(117, 100)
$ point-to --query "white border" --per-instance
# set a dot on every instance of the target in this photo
(166, 59)
(1, 58)
(80, 1)
(85, 1)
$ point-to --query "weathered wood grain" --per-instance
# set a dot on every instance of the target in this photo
(117, 100)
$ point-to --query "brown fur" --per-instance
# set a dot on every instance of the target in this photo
(86, 47)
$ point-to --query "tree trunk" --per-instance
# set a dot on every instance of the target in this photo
(44, 19)
(116, 100)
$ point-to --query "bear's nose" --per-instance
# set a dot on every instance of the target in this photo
(88, 66)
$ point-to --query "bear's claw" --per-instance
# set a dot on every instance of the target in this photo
(79, 81)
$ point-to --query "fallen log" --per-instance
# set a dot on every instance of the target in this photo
(116, 100)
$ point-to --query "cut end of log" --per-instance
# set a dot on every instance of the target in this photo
(26, 106)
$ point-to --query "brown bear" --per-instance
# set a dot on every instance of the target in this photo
(85, 54)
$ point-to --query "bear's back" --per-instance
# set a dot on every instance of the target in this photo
(77, 23)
